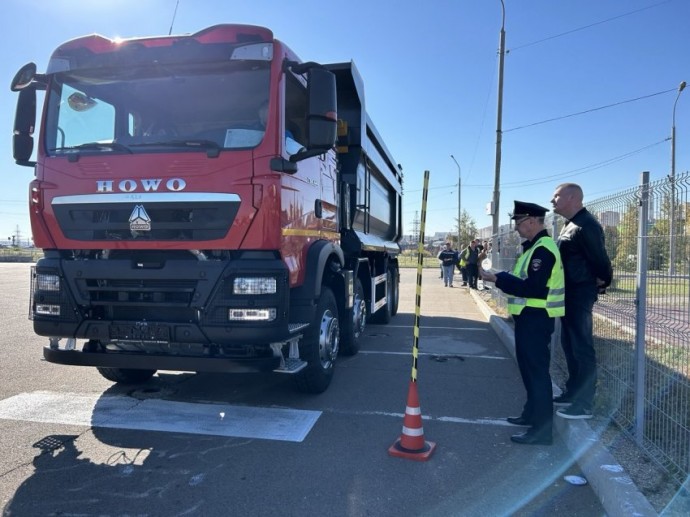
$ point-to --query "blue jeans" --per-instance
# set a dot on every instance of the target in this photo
(448, 274)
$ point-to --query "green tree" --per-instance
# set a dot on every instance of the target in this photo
(468, 230)
(626, 252)
(657, 246)
(612, 241)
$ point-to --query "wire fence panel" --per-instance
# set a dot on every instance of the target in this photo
(661, 423)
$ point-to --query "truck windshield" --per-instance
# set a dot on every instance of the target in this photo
(144, 110)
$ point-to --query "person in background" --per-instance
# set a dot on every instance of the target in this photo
(535, 292)
(462, 264)
(483, 253)
(440, 266)
(587, 270)
(448, 259)
(473, 264)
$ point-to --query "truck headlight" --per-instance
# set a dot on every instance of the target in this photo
(254, 285)
(45, 282)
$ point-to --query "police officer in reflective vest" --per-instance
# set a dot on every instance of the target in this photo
(535, 290)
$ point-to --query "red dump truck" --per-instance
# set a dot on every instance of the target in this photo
(205, 203)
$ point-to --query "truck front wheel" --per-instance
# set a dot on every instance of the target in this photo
(126, 375)
(319, 346)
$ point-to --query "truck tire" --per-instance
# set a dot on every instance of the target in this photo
(319, 346)
(125, 375)
(354, 325)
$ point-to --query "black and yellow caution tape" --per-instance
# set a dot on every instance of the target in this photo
(420, 266)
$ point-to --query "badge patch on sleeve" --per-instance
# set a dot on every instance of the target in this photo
(535, 265)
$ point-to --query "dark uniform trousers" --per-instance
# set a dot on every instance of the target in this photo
(533, 330)
(578, 344)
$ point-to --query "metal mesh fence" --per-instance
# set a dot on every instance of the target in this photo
(642, 323)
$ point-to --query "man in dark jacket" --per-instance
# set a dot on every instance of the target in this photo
(587, 270)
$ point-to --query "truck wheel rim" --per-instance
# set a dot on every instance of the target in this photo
(359, 316)
(329, 339)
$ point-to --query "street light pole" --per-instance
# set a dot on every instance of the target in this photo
(459, 197)
(672, 211)
(499, 137)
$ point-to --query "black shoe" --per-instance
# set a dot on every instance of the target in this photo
(562, 400)
(464, 284)
(518, 420)
(532, 438)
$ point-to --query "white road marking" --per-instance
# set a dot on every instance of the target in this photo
(443, 354)
(436, 328)
(119, 412)
(430, 418)
(160, 415)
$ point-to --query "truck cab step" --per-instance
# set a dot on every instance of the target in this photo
(291, 365)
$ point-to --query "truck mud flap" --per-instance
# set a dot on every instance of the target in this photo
(159, 362)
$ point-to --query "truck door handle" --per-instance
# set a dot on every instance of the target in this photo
(318, 209)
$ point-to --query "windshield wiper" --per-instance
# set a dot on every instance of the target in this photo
(212, 148)
(95, 146)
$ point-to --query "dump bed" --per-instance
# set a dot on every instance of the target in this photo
(367, 166)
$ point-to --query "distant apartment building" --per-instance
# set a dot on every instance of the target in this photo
(609, 218)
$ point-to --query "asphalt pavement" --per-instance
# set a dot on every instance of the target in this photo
(614, 488)
(190, 444)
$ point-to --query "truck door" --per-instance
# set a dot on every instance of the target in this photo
(301, 193)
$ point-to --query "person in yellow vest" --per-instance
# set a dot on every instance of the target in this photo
(536, 297)
(462, 264)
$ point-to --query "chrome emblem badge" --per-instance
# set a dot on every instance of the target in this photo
(139, 220)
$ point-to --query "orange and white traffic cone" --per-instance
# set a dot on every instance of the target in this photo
(411, 444)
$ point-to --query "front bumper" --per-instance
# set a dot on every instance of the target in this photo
(160, 362)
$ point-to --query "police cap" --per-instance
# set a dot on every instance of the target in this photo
(524, 209)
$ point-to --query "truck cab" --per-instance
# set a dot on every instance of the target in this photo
(192, 207)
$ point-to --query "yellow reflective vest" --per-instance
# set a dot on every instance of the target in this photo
(463, 258)
(555, 299)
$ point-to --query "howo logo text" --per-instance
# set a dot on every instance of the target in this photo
(147, 185)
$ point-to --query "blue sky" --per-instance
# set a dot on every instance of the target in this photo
(430, 73)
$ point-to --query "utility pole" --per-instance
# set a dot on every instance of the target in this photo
(16, 238)
(459, 198)
(499, 137)
(672, 211)
(415, 226)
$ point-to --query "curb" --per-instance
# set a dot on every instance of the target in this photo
(617, 492)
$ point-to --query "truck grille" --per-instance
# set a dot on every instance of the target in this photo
(167, 293)
(175, 217)
(142, 299)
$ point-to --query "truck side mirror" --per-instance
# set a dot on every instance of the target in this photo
(24, 124)
(322, 119)
(23, 77)
(25, 81)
